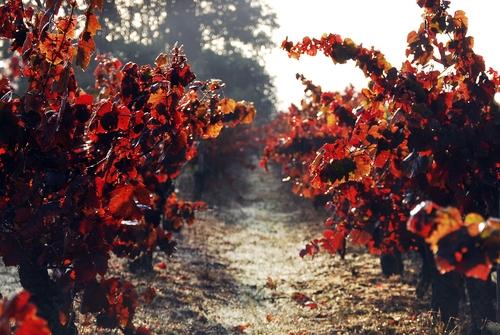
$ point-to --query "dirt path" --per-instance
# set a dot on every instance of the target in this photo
(239, 272)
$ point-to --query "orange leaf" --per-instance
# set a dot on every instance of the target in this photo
(157, 97)
(213, 130)
(161, 60)
(86, 47)
(86, 44)
(92, 25)
(447, 220)
(227, 106)
(249, 115)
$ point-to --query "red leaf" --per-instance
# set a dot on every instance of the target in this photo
(84, 99)
(21, 313)
(122, 200)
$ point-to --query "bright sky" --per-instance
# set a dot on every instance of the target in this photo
(384, 24)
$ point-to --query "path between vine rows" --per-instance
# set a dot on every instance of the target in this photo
(237, 271)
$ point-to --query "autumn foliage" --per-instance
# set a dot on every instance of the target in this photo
(427, 131)
(86, 175)
(412, 158)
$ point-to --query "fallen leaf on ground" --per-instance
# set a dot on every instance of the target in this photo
(311, 305)
(271, 283)
(300, 298)
(160, 266)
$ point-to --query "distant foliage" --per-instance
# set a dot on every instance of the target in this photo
(295, 136)
(426, 131)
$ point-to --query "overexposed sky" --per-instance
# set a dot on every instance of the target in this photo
(384, 24)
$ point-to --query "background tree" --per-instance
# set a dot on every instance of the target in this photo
(222, 39)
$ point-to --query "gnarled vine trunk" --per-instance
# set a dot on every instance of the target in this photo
(54, 304)
(392, 264)
(481, 296)
(449, 289)
(143, 263)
